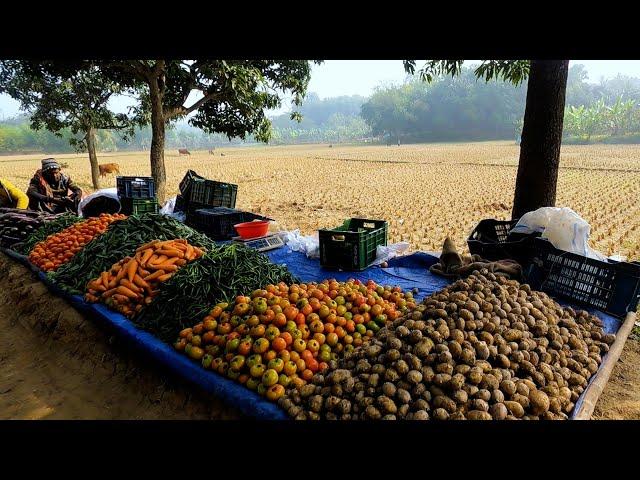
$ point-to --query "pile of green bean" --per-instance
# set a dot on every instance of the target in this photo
(219, 276)
(47, 228)
(119, 241)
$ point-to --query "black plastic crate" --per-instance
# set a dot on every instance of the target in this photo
(611, 287)
(138, 206)
(185, 184)
(352, 246)
(217, 223)
(136, 187)
(181, 204)
(492, 241)
(210, 193)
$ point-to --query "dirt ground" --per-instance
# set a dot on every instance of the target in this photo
(55, 364)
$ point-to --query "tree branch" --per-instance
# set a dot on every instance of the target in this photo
(182, 110)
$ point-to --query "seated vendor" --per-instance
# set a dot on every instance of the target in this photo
(49, 190)
(11, 197)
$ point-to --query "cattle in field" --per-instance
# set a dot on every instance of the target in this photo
(183, 151)
(108, 168)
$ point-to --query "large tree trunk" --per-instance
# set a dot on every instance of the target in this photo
(158, 171)
(93, 159)
(541, 136)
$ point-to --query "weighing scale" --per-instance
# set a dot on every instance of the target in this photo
(267, 242)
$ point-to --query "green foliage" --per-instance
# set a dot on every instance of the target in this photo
(514, 71)
(234, 94)
(615, 120)
(62, 97)
(447, 109)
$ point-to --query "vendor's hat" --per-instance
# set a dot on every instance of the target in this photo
(49, 164)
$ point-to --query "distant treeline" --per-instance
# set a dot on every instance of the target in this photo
(466, 109)
(459, 109)
(17, 137)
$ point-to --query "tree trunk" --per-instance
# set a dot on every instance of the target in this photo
(541, 136)
(158, 171)
(93, 159)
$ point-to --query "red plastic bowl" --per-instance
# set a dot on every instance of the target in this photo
(248, 230)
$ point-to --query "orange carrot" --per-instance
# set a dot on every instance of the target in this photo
(142, 272)
(170, 252)
(121, 274)
(121, 298)
(180, 262)
(101, 288)
(105, 278)
(146, 256)
(130, 285)
(167, 267)
(139, 281)
(132, 268)
(171, 261)
(147, 245)
(159, 259)
(148, 300)
(189, 254)
(91, 298)
(164, 278)
(154, 275)
(122, 290)
(108, 293)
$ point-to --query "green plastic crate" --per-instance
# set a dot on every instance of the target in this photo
(352, 246)
(138, 206)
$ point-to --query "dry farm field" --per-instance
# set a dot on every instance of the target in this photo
(57, 364)
(425, 192)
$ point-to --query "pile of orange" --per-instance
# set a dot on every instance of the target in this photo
(59, 248)
(285, 334)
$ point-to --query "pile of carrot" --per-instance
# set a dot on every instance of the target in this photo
(59, 248)
(132, 283)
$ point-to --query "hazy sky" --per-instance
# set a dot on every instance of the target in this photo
(359, 77)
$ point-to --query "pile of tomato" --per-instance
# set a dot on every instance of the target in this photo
(59, 248)
(285, 334)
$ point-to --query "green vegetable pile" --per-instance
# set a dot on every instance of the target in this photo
(47, 228)
(119, 241)
(224, 272)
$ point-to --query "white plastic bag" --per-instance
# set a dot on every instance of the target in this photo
(309, 245)
(105, 192)
(168, 207)
(387, 252)
(563, 227)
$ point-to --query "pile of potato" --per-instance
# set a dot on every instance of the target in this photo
(483, 348)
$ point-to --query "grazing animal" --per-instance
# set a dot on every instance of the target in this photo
(222, 154)
(211, 151)
(108, 168)
(183, 151)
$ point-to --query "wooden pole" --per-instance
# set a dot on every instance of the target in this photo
(596, 388)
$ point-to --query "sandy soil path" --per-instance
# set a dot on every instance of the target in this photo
(55, 364)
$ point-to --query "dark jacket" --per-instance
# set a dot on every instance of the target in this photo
(41, 192)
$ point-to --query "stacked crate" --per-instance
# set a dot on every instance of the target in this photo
(197, 192)
(137, 195)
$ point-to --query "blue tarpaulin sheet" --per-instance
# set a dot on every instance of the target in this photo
(408, 272)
